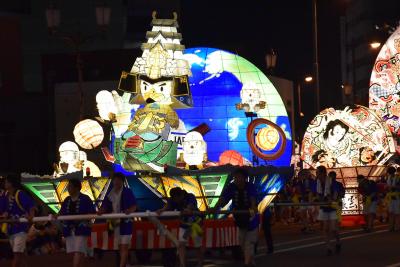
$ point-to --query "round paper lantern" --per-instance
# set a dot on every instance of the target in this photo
(231, 157)
(349, 137)
(384, 95)
(267, 138)
(91, 168)
(69, 152)
(88, 134)
(105, 104)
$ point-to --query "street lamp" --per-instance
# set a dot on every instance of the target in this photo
(316, 61)
(380, 34)
(307, 79)
(270, 60)
(76, 40)
(375, 44)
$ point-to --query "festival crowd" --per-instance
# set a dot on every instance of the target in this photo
(306, 200)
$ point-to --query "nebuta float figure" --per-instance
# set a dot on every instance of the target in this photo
(158, 80)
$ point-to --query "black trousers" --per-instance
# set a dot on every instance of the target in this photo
(266, 224)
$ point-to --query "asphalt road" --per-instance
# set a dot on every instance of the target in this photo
(379, 248)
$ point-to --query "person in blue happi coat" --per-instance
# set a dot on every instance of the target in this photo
(76, 233)
(243, 195)
(120, 199)
(16, 204)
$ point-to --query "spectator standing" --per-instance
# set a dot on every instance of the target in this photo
(369, 190)
(327, 192)
(393, 196)
(3, 207)
(306, 187)
(18, 204)
(120, 199)
(267, 225)
(5, 250)
(76, 232)
(381, 210)
(243, 195)
(338, 204)
(180, 200)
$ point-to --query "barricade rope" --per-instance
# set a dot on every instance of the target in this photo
(146, 214)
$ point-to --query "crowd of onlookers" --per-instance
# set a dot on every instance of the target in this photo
(314, 202)
(379, 197)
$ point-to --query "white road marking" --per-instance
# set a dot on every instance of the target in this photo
(322, 242)
(316, 237)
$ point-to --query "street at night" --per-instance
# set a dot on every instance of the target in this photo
(379, 248)
(199, 133)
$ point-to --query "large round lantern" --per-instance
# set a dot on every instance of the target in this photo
(69, 152)
(106, 104)
(267, 138)
(354, 136)
(384, 85)
(88, 134)
(231, 157)
(91, 169)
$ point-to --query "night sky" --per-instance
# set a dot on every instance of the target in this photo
(251, 28)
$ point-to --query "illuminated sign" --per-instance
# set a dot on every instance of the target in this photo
(355, 136)
(384, 88)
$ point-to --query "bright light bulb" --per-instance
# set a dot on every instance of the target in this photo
(375, 45)
(308, 79)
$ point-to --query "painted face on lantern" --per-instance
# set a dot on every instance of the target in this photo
(322, 158)
(159, 92)
(335, 132)
(194, 148)
(327, 161)
(194, 143)
(367, 155)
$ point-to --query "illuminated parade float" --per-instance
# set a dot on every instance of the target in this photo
(353, 141)
(384, 87)
(181, 118)
(360, 140)
(352, 137)
(187, 117)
